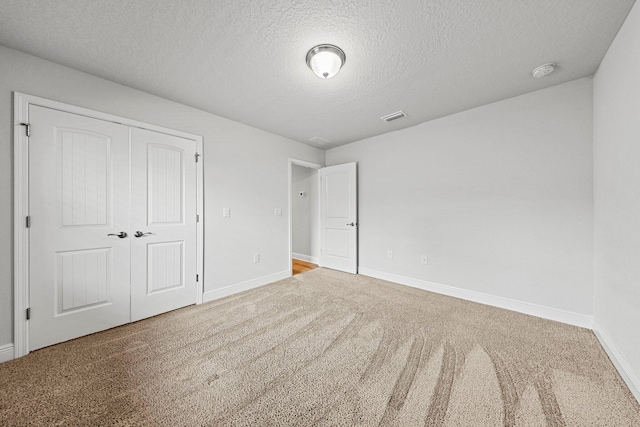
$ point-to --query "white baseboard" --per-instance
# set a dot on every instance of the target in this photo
(627, 374)
(6, 353)
(244, 286)
(308, 258)
(576, 319)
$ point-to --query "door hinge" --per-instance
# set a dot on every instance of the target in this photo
(197, 277)
(197, 218)
(28, 221)
(197, 157)
(27, 127)
(28, 313)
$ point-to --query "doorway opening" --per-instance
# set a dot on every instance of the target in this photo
(304, 216)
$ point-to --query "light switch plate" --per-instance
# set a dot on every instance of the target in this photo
(278, 212)
(226, 212)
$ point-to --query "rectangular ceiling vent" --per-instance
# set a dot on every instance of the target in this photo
(319, 141)
(394, 116)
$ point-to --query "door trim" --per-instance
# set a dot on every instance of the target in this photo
(290, 164)
(21, 103)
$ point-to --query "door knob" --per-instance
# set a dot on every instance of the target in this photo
(140, 233)
(353, 224)
(121, 234)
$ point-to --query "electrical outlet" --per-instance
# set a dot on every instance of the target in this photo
(278, 212)
(424, 259)
(389, 254)
(256, 258)
(226, 212)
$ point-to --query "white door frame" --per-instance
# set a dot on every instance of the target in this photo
(305, 164)
(21, 103)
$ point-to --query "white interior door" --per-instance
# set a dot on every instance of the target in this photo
(163, 221)
(79, 202)
(113, 233)
(339, 218)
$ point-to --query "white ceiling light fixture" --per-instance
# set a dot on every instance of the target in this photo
(325, 60)
(543, 70)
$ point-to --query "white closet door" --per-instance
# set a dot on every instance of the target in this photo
(163, 223)
(79, 195)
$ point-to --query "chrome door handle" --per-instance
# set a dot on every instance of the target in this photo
(353, 224)
(140, 234)
(121, 234)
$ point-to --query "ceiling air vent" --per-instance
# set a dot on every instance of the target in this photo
(394, 116)
(319, 141)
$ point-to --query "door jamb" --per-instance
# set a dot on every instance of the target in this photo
(305, 164)
(21, 103)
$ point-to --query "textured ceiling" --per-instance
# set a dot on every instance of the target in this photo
(245, 59)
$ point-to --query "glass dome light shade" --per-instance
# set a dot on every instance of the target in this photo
(325, 60)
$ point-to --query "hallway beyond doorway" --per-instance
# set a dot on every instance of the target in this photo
(298, 266)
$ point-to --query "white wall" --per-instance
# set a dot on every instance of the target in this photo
(617, 197)
(305, 231)
(499, 197)
(245, 169)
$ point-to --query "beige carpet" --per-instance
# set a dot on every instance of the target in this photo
(323, 348)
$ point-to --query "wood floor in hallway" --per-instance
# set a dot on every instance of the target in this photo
(298, 266)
